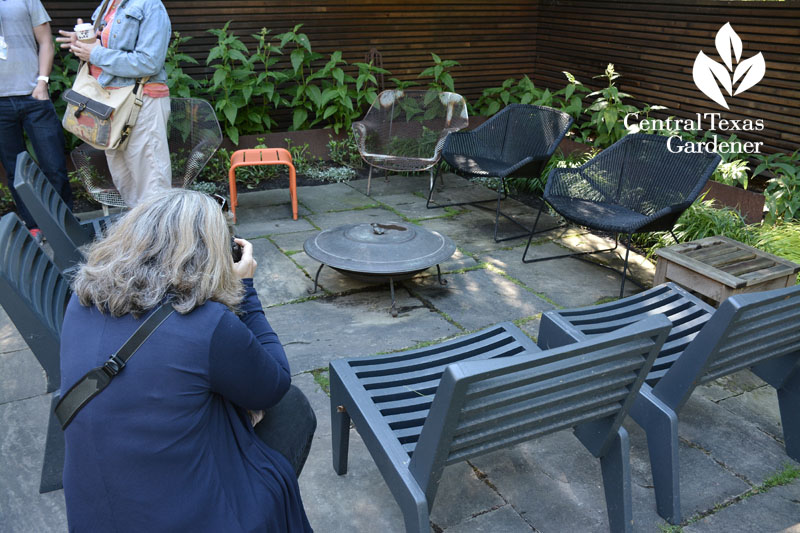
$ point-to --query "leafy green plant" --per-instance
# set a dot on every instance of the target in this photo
(205, 187)
(266, 85)
(179, 83)
(782, 195)
(439, 71)
(606, 113)
(65, 68)
(367, 85)
(345, 152)
(572, 96)
(782, 239)
(331, 174)
(302, 95)
(702, 219)
(402, 85)
(334, 103)
(6, 200)
(606, 124)
(232, 84)
(732, 170)
(302, 159)
(79, 192)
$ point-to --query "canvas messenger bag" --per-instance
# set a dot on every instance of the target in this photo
(101, 117)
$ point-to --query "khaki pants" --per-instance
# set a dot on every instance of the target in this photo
(143, 167)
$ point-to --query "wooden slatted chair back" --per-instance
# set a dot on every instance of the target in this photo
(33, 293)
(482, 406)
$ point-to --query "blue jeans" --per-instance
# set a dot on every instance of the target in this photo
(37, 118)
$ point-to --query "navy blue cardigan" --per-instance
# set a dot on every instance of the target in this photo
(168, 446)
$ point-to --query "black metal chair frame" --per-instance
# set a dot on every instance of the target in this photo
(421, 410)
(637, 161)
(759, 331)
(505, 153)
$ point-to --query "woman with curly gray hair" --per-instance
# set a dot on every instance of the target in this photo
(170, 445)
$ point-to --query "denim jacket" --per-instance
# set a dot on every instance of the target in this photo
(137, 46)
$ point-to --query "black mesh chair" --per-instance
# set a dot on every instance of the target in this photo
(404, 131)
(641, 183)
(193, 134)
(517, 142)
(34, 294)
(64, 233)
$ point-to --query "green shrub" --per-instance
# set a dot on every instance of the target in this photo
(782, 195)
(441, 80)
(6, 201)
(782, 239)
(701, 220)
(345, 152)
(179, 83)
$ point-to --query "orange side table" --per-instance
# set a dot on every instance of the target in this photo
(261, 156)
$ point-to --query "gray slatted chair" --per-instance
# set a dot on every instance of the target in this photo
(421, 410)
(759, 331)
(34, 294)
(65, 233)
(517, 142)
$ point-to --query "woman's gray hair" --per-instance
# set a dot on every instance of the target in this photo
(175, 242)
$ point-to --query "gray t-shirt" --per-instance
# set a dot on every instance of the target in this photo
(18, 73)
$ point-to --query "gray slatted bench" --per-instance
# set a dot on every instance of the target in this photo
(34, 294)
(63, 231)
(760, 331)
(421, 410)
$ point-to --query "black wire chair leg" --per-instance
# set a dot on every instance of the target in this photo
(502, 194)
(393, 309)
(434, 177)
(534, 232)
(316, 278)
(625, 267)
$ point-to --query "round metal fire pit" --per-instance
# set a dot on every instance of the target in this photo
(377, 252)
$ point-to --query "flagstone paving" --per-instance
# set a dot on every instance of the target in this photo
(730, 432)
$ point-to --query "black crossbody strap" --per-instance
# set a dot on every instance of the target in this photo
(97, 379)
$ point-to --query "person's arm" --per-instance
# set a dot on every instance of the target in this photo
(46, 51)
(247, 364)
(147, 59)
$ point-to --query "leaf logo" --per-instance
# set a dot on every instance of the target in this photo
(709, 75)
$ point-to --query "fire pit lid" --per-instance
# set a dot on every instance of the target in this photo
(380, 247)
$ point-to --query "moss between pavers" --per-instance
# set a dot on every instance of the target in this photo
(789, 473)
(515, 281)
(322, 378)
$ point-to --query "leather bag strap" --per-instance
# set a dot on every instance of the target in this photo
(97, 379)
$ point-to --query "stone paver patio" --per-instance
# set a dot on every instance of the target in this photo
(730, 432)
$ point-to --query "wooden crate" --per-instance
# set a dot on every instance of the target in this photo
(718, 267)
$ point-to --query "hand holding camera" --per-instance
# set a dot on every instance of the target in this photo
(244, 265)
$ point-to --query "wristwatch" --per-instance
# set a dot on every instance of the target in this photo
(45, 79)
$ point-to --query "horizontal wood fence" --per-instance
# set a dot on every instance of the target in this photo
(491, 40)
(653, 44)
